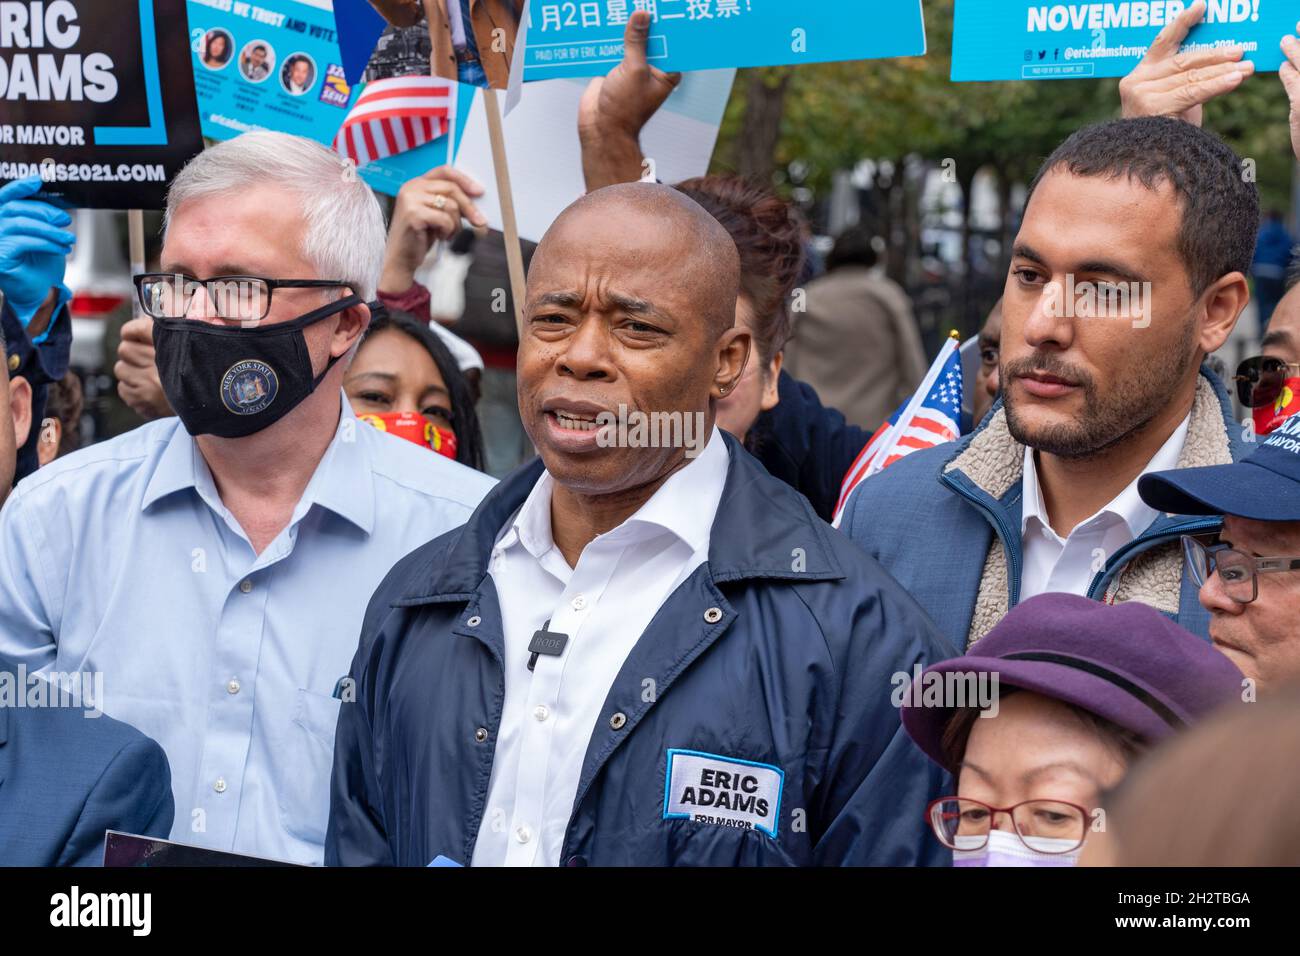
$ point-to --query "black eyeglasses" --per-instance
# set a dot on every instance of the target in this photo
(170, 295)
(1259, 379)
(1238, 571)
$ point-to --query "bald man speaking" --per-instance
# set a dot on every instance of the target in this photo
(641, 649)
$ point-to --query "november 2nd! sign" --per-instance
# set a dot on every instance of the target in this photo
(1037, 40)
(96, 97)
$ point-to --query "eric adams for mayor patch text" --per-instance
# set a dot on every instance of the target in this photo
(722, 791)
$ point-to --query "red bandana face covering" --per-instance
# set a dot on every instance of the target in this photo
(1270, 415)
(415, 428)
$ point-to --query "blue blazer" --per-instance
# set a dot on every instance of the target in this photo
(66, 778)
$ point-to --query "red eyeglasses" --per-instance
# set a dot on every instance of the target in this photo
(1042, 825)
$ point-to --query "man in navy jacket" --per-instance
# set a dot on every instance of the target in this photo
(732, 674)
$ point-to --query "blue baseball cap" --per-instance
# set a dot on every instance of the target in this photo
(1264, 486)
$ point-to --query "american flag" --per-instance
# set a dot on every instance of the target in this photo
(396, 115)
(930, 417)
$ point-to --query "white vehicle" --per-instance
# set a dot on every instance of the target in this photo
(99, 276)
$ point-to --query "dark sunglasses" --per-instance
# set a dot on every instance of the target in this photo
(1259, 379)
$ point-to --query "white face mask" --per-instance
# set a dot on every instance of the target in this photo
(1006, 849)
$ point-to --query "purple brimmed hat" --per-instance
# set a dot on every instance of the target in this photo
(1126, 662)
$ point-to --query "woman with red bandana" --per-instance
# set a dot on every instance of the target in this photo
(404, 380)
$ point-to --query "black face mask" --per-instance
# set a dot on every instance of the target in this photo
(230, 381)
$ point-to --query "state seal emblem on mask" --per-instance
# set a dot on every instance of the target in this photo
(248, 387)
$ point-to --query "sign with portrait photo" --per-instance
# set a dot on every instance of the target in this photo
(273, 64)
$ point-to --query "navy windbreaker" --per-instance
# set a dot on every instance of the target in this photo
(783, 650)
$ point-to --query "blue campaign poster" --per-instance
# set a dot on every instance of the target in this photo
(388, 175)
(585, 37)
(359, 25)
(269, 65)
(278, 65)
(1027, 40)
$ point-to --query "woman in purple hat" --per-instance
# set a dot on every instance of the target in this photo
(1046, 713)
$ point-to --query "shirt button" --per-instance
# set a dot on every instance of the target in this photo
(579, 602)
(474, 621)
(713, 615)
(220, 785)
(523, 834)
(618, 721)
(541, 712)
(481, 734)
(233, 686)
(246, 585)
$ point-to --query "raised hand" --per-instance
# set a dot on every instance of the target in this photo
(1169, 83)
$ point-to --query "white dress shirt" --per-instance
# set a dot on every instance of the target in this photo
(1053, 563)
(603, 605)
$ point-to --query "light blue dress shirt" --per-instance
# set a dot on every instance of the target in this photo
(121, 559)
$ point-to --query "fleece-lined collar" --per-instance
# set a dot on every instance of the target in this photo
(988, 468)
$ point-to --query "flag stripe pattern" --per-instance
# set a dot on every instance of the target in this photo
(930, 417)
(396, 115)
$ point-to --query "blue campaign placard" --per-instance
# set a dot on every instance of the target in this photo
(1027, 40)
(273, 64)
(585, 37)
(294, 84)
(388, 175)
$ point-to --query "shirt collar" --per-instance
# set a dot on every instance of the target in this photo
(1128, 505)
(342, 482)
(176, 468)
(684, 505)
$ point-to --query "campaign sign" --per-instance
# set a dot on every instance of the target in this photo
(1037, 40)
(359, 25)
(585, 37)
(278, 65)
(129, 849)
(389, 174)
(273, 64)
(85, 102)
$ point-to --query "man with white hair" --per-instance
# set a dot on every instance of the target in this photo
(215, 567)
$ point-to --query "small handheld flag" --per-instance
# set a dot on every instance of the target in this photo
(930, 417)
(396, 115)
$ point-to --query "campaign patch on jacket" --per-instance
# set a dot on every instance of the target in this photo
(722, 791)
(249, 386)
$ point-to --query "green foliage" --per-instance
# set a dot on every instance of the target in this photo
(837, 114)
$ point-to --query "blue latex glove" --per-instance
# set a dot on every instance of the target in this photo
(34, 246)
